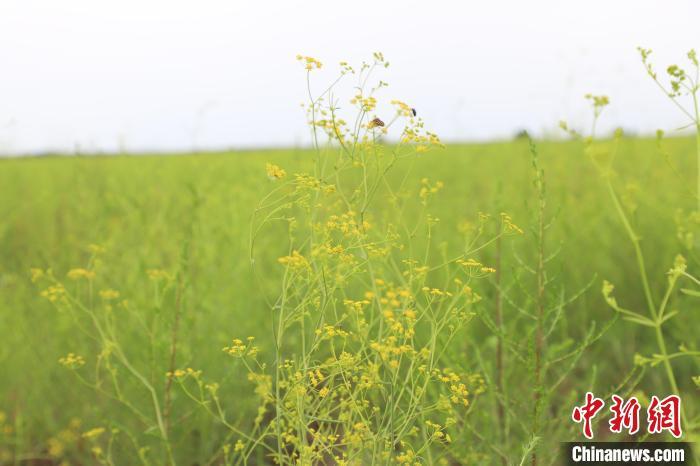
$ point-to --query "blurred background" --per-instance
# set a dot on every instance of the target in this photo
(131, 76)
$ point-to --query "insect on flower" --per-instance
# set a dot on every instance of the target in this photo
(375, 123)
(413, 110)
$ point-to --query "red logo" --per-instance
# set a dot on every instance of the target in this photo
(665, 415)
(662, 415)
(624, 415)
(587, 412)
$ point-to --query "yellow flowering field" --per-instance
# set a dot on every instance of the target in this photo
(379, 298)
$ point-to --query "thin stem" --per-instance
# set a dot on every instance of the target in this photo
(167, 404)
(637, 249)
(501, 416)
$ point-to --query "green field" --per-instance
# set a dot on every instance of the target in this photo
(190, 217)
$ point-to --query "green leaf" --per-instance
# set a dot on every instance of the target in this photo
(690, 292)
(640, 320)
(668, 316)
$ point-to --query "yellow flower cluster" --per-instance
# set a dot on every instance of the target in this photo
(72, 361)
(403, 108)
(407, 458)
(394, 296)
(330, 331)
(475, 268)
(334, 127)
(347, 224)
(415, 134)
(77, 274)
(366, 104)
(294, 261)
(397, 310)
(109, 294)
(180, 373)
(239, 349)
(274, 172)
(436, 292)
(346, 68)
(338, 251)
(358, 434)
(390, 349)
(459, 394)
(438, 431)
(599, 101)
(508, 225)
(304, 181)
(310, 63)
(54, 293)
(458, 389)
(357, 306)
(315, 377)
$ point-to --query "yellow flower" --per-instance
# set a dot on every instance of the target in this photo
(54, 293)
(403, 108)
(77, 274)
(239, 349)
(72, 361)
(310, 63)
(274, 172)
(176, 373)
(329, 331)
(109, 294)
(294, 261)
(508, 225)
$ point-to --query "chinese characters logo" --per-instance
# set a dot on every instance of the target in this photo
(661, 415)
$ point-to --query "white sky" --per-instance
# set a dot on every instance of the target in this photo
(177, 75)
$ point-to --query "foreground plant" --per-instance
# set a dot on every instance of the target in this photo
(367, 308)
(683, 89)
(660, 313)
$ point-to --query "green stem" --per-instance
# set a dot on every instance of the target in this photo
(637, 249)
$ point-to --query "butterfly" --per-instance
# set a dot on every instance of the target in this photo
(375, 123)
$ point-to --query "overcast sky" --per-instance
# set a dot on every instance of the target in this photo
(178, 75)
